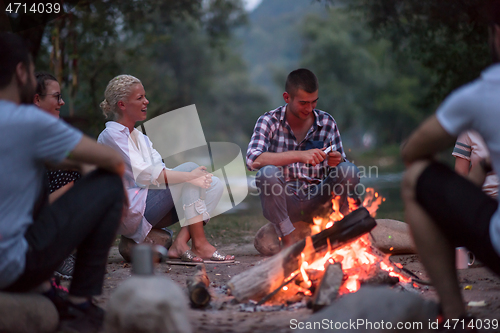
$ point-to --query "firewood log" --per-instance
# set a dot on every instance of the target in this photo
(263, 279)
(198, 288)
(329, 287)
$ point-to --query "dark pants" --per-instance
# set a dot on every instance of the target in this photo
(85, 218)
(460, 209)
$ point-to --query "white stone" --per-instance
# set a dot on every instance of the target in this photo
(148, 304)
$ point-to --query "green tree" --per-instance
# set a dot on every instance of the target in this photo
(361, 83)
(179, 49)
(447, 37)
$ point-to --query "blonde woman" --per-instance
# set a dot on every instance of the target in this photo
(150, 207)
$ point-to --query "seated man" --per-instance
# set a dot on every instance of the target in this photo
(295, 175)
(36, 237)
(444, 209)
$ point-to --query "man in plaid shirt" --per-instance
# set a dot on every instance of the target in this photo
(296, 176)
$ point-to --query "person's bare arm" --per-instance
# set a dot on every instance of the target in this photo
(311, 156)
(462, 166)
(59, 192)
(427, 140)
(88, 151)
(477, 175)
(198, 177)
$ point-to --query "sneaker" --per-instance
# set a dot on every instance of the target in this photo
(65, 271)
(82, 318)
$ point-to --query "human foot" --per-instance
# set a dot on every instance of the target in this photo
(183, 253)
(209, 252)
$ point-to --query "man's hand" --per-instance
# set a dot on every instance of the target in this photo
(312, 156)
(334, 158)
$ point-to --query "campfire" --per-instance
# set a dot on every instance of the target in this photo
(336, 259)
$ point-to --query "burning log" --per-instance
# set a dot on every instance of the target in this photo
(265, 278)
(198, 288)
(329, 287)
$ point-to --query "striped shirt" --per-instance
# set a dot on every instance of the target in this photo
(272, 133)
(471, 147)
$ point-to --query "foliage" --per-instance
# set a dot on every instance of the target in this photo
(448, 37)
(181, 50)
(272, 43)
(361, 84)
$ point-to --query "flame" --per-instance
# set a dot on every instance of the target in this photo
(352, 283)
(303, 268)
(316, 228)
(390, 269)
(356, 254)
(304, 291)
(372, 201)
(353, 204)
(356, 257)
(336, 215)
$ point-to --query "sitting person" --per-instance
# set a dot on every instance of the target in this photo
(469, 150)
(48, 98)
(287, 147)
(445, 210)
(35, 236)
(152, 207)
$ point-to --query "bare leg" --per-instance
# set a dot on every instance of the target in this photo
(201, 246)
(179, 246)
(436, 252)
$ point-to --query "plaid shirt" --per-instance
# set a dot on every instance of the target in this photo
(272, 133)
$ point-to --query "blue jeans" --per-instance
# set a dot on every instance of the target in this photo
(160, 203)
(283, 204)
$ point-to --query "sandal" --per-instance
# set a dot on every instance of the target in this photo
(218, 256)
(188, 256)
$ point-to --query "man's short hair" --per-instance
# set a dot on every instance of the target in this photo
(14, 51)
(41, 79)
(301, 78)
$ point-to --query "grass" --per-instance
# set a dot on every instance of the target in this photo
(230, 228)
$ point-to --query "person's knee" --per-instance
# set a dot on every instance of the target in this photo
(410, 178)
(269, 174)
(217, 185)
(106, 183)
(349, 172)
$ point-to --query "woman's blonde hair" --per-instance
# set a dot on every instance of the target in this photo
(118, 89)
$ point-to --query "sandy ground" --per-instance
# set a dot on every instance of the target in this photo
(222, 316)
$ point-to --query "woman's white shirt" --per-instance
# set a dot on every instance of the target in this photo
(143, 168)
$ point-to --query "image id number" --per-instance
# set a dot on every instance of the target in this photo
(35, 8)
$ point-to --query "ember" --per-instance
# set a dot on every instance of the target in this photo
(357, 260)
(298, 271)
